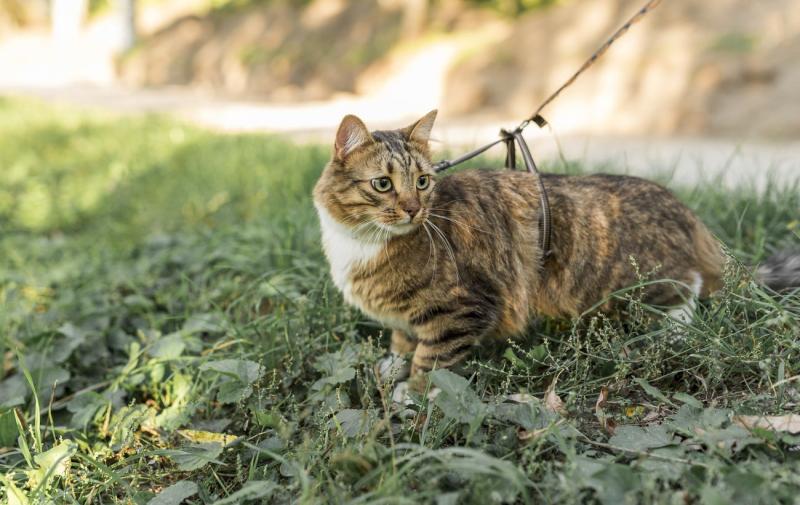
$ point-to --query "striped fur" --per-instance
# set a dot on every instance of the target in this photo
(467, 267)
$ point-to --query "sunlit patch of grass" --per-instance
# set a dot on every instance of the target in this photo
(168, 326)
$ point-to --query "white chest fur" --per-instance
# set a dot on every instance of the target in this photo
(346, 252)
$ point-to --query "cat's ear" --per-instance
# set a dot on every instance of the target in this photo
(351, 135)
(421, 130)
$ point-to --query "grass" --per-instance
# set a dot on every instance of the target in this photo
(168, 328)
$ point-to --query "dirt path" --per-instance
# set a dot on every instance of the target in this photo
(689, 160)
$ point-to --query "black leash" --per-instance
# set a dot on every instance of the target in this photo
(514, 138)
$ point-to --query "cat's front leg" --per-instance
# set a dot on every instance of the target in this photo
(440, 355)
(447, 333)
(402, 343)
(443, 349)
(396, 366)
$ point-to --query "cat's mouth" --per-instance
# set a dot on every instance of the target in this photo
(404, 225)
(402, 228)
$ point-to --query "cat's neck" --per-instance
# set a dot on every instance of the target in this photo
(345, 249)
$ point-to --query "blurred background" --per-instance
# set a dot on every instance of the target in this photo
(696, 87)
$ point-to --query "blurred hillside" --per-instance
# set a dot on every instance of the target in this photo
(728, 67)
(723, 68)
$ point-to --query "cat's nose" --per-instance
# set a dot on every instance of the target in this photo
(411, 209)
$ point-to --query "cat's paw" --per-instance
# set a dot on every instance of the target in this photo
(393, 368)
(402, 394)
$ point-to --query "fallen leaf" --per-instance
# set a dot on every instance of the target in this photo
(552, 401)
(789, 423)
(608, 424)
(602, 398)
(653, 416)
(200, 436)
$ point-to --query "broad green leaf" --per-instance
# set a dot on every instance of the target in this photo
(14, 495)
(641, 439)
(175, 494)
(449, 382)
(728, 440)
(168, 347)
(245, 371)
(51, 463)
(252, 490)
(194, 457)
(513, 359)
(614, 483)
(688, 400)
(665, 469)
(233, 391)
(8, 428)
(354, 422)
(13, 391)
(653, 391)
(715, 495)
(686, 419)
(173, 417)
(241, 374)
(124, 424)
(85, 407)
(331, 364)
(338, 377)
(456, 399)
(204, 323)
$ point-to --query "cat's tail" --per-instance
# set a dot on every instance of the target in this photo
(780, 271)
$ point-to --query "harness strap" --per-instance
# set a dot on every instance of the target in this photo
(445, 164)
(545, 220)
(511, 139)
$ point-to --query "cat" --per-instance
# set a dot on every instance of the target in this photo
(451, 262)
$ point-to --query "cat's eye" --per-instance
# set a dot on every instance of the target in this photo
(423, 181)
(382, 184)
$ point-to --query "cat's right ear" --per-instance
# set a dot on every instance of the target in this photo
(351, 135)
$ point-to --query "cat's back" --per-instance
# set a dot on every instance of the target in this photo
(599, 223)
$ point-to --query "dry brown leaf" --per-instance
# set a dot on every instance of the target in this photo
(653, 416)
(602, 398)
(607, 423)
(789, 423)
(553, 402)
(200, 436)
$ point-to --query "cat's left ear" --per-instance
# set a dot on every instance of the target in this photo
(421, 130)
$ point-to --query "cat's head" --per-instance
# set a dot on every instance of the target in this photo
(381, 183)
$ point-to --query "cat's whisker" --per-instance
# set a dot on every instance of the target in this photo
(448, 247)
(431, 249)
(456, 221)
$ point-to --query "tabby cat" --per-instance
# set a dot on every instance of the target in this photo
(448, 263)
